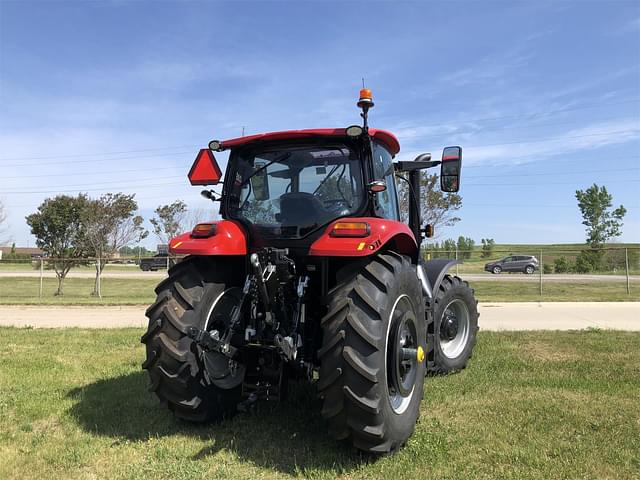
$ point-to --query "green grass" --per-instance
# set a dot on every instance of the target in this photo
(505, 291)
(29, 266)
(74, 404)
(77, 291)
(134, 291)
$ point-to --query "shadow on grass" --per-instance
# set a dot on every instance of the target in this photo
(290, 437)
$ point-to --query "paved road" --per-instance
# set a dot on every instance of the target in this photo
(493, 316)
(509, 277)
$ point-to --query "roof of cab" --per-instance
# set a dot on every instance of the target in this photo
(388, 138)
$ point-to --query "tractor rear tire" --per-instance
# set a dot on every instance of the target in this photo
(184, 300)
(370, 397)
(455, 323)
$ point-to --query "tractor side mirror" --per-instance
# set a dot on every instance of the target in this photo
(450, 169)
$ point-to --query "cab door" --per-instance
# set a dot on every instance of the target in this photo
(383, 170)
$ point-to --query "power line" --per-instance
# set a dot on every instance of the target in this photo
(523, 141)
(99, 154)
(636, 169)
(139, 184)
(118, 183)
(537, 114)
(93, 174)
(505, 127)
(82, 190)
(545, 183)
(97, 160)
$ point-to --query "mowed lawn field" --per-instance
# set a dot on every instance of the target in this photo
(74, 404)
(139, 291)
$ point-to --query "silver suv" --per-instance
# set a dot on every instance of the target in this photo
(513, 263)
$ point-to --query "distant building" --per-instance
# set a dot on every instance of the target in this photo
(31, 251)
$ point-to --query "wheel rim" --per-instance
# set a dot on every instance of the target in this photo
(496, 269)
(529, 270)
(220, 311)
(401, 355)
(218, 366)
(454, 328)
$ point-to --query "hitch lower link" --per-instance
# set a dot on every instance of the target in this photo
(210, 342)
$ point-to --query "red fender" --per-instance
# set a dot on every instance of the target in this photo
(383, 232)
(229, 239)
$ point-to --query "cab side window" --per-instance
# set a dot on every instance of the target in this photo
(383, 170)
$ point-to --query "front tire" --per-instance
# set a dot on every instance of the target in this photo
(529, 269)
(456, 325)
(372, 357)
(187, 299)
(496, 270)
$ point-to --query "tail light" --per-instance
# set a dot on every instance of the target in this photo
(351, 229)
(203, 230)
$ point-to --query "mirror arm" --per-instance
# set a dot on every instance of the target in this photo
(411, 166)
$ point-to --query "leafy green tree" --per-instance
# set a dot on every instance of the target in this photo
(487, 247)
(169, 220)
(449, 248)
(111, 223)
(60, 232)
(437, 208)
(562, 265)
(587, 260)
(602, 223)
(465, 247)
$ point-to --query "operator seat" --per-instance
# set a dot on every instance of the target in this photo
(297, 208)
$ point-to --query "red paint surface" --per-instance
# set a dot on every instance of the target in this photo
(382, 232)
(388, 138)
(205, 169)
(229, 239)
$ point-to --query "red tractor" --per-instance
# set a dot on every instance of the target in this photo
(311, 275)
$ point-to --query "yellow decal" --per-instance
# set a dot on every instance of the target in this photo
(176, 245)
(420, 354)
(361, 246)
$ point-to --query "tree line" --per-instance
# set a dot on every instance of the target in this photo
(73, 229)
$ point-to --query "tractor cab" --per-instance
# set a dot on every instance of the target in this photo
(285, 188)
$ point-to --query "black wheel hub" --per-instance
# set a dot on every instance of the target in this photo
(449, 326)
(403, 353)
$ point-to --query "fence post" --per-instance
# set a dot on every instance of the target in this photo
(626, 266)
(41, 275)
(98, 280)
(540, 271)
(457, 273)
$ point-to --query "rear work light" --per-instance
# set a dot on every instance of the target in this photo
(203, 230)
(351, 229)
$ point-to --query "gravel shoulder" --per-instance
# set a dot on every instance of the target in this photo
(494, 316)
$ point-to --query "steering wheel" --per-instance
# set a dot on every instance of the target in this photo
(336, 205)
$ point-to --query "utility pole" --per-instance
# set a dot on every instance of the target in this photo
(41, 274)
(626, 266)
(243, 130)
(540, 271)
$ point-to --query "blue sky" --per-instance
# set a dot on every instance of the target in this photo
(543, 96)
